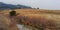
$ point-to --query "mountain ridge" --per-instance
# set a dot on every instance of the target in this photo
(11, 6)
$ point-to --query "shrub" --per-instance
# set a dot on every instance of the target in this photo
(37, 8)
(13, 13)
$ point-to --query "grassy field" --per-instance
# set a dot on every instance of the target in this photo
(50, 19)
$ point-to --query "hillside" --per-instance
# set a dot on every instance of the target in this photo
(36, 17)
(4, 6)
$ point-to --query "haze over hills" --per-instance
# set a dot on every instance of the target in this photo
(10, 6)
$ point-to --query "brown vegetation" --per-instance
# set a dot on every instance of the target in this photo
(37, 22)
(41, 19)
(6, 23)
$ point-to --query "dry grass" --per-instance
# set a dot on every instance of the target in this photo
(34, 17)
(6, 23)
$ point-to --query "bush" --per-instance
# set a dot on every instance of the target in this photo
(13, 13)
(37, 8)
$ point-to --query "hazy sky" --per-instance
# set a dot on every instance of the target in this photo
(43, 4)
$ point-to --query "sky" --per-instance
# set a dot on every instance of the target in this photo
(42, 4)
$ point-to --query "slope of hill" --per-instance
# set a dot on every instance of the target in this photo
(35, 17)
(10, 6)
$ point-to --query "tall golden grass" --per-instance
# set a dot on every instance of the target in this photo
(41, 19)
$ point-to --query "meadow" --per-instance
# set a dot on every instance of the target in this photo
(36, 18)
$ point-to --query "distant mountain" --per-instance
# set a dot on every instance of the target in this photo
(10, 6)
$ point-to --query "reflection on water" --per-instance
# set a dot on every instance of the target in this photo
(22, 27)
